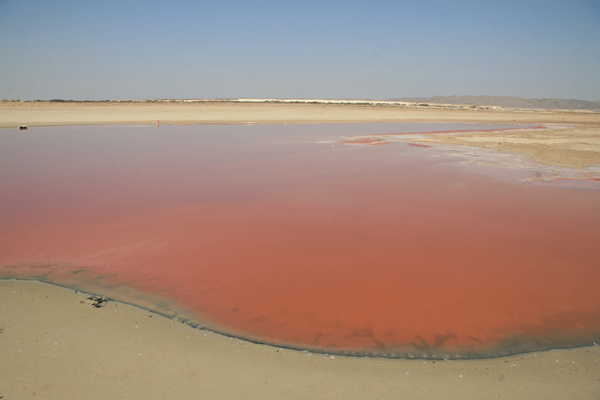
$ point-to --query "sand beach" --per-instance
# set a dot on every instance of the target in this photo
(55, 344)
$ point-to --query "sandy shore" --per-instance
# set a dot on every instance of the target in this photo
(575, 147)
(55, 344)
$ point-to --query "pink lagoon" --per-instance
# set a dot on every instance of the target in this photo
(293, 235)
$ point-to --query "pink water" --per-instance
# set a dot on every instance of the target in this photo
(274, 234)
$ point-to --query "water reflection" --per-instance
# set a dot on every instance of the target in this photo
(274, 234)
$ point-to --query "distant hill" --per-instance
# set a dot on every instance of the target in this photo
(509, 102)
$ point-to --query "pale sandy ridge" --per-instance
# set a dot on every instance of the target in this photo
(54, 344)
(13, 114)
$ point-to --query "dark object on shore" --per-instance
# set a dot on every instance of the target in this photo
(98, 301)
(22, 128)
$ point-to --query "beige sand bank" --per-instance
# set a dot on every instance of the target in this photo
(54, 344)
(575, 147)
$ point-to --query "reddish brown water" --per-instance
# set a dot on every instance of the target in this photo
(266, 233)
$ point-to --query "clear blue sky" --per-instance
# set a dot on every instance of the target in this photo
(134, 49)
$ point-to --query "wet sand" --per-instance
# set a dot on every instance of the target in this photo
(54, 346)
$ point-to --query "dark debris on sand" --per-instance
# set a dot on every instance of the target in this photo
(97, 301)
